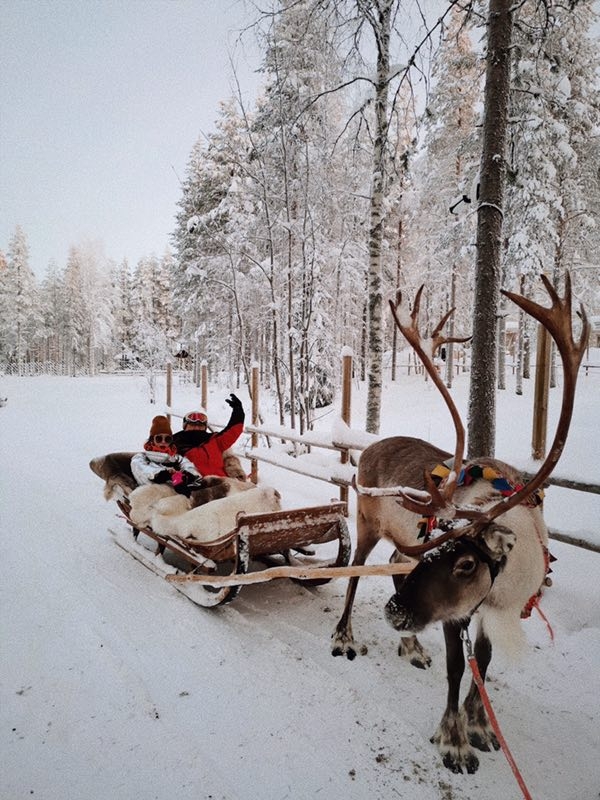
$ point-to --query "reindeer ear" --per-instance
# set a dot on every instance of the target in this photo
(499, 540)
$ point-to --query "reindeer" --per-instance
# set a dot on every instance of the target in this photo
(381, 467)
(491, 558)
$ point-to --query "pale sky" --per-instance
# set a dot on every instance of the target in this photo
(101, 102)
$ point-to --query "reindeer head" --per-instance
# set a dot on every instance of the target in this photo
(450, 582)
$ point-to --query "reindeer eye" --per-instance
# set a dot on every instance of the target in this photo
(465, 566)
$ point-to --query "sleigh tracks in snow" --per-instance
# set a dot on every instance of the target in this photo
(212, 573)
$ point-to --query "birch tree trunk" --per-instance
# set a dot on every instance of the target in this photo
(520, 343)
(482, 393)
(376, 223)
(526, 349)
(450, 347)
(398, 273)
(502, 345)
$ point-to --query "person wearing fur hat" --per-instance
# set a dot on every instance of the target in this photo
(205, 449)
(160, 462)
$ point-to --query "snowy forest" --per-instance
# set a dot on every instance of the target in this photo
(358, 172)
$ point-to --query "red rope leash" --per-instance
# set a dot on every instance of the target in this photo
(492, 717)
(536, 605)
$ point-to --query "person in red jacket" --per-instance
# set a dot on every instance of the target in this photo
(205, 449)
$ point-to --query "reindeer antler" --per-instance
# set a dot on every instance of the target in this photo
(438, 500)
(558, 322)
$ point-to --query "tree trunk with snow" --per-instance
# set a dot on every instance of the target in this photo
(482, 394)
(502, 345)
(376, 222)
(450, 347)
(520, 343)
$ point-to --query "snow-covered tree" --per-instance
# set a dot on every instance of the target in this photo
(440, 222)
(488, 260)
(75, 327)
(52, 304)
(371, 38)
(299, 208)
(553, 187)
(214, 226)
(20, 300)
(122, 313)
(5, 324)
(154, 324)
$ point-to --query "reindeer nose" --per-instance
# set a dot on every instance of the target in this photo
(397, 615)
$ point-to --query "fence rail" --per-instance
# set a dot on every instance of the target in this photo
(340, 474)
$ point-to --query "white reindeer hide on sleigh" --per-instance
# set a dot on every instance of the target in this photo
(212, 520)
(145, 498)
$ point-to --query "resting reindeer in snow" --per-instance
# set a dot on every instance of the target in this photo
(491, 558)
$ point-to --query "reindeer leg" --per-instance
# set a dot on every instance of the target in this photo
(409, 648)
(479, 730)
(343, 639)
(451, 735)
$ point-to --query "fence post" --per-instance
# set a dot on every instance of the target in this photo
(540, 401)
(346, 407)
(196, 373)
(254, 396)
(169, 387)
(204, 382)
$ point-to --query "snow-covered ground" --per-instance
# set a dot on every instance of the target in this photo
(115, 685)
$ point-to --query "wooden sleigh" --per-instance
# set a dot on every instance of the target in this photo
(212, 573)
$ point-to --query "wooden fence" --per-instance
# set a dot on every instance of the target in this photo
(340, 476)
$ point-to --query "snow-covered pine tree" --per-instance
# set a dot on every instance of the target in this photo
(97, 283)
(554, 185)
(5, 325)
(52, 304)
(440, 225)
(215, 229)
(150, 341)
(75, 324)
(299, 153)
(122, 313)
(372, 38)
(22, 323)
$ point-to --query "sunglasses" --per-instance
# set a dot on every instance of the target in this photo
(162, 438)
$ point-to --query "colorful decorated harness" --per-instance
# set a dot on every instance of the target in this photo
(468, 475)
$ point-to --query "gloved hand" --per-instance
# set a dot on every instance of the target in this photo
(188, 477)
(178, 478)
(234, 401)
(195, 483)
(162, 477)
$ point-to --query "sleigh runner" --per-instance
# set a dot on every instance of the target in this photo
(211, 573)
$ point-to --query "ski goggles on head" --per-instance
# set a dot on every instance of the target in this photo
(195, 418)
(162, 438)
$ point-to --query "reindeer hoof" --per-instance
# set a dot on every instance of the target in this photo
(411, 649)
(343, 646)
(456, 762)
(421, 663)
(471, 763)
(484, 740)
(348, 651)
